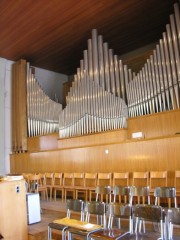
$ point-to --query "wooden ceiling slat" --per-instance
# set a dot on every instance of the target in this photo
(47, 32)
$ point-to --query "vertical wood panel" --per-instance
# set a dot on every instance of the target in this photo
(19, 113)
(156, 153)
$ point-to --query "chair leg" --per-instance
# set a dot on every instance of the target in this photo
(49, 233)
(54, 194)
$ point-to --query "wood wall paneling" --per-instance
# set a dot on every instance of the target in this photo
(158, 151)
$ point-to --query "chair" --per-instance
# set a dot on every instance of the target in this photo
(101, 191)
(68, 184)
(165, 192)
(79, 184)
(116, 211)
(104, 179)
(120, 179)
(140, 192)
(140, 179)
(26, 178)
(152, 213)
(122, 191)
(58, 185)
(49, 180)
(119, 211)
(72, 205)
(157, 178)
(91, 208)
(177, 182)
(90, 183)
(37, 184)
(173, 218)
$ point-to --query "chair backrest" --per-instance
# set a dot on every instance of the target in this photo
(119, 210)
(140, 179)
(42, 180)
(121, 191)
(68, 179)
(98, 209)
(140, 192)
(49, 179)
(173, 216)
(79, 179)
(104, 179)
(58, 179)
(152, 213)
(158, 178)
(75, 205)
(34, 181)
(165, 192)
(121, 179)
(103, 190)
(90, 179)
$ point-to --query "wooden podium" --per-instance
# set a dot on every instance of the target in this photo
(13, 219)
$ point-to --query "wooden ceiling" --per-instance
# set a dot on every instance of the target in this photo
(52, 34)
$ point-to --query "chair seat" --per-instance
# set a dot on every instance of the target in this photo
(74, 223)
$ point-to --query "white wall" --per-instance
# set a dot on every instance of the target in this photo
(51, 82)
(5, 114)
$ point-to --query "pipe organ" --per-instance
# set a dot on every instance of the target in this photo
(105, 91)
(34, 113)
(42, 112)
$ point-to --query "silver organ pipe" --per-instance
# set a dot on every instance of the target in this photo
(42, 112)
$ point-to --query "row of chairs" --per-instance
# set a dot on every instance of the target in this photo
(130, 194)
(76, 183)
(105, 229)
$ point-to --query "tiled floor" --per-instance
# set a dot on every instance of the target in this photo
(54, 210)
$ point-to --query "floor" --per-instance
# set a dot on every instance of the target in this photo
(52, 210)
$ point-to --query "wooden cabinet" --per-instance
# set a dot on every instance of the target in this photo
(13, 219)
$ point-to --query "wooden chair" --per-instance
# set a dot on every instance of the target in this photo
(58, 185)
(79, 184)
(37, 184)
(104, 179)
(120, 179)
(26, 178)
(90, 182)
(68, 184)
(177, 183)
(49, 183)
(157, 179)
(140, 179)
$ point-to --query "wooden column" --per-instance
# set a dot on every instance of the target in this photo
(19, 107)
